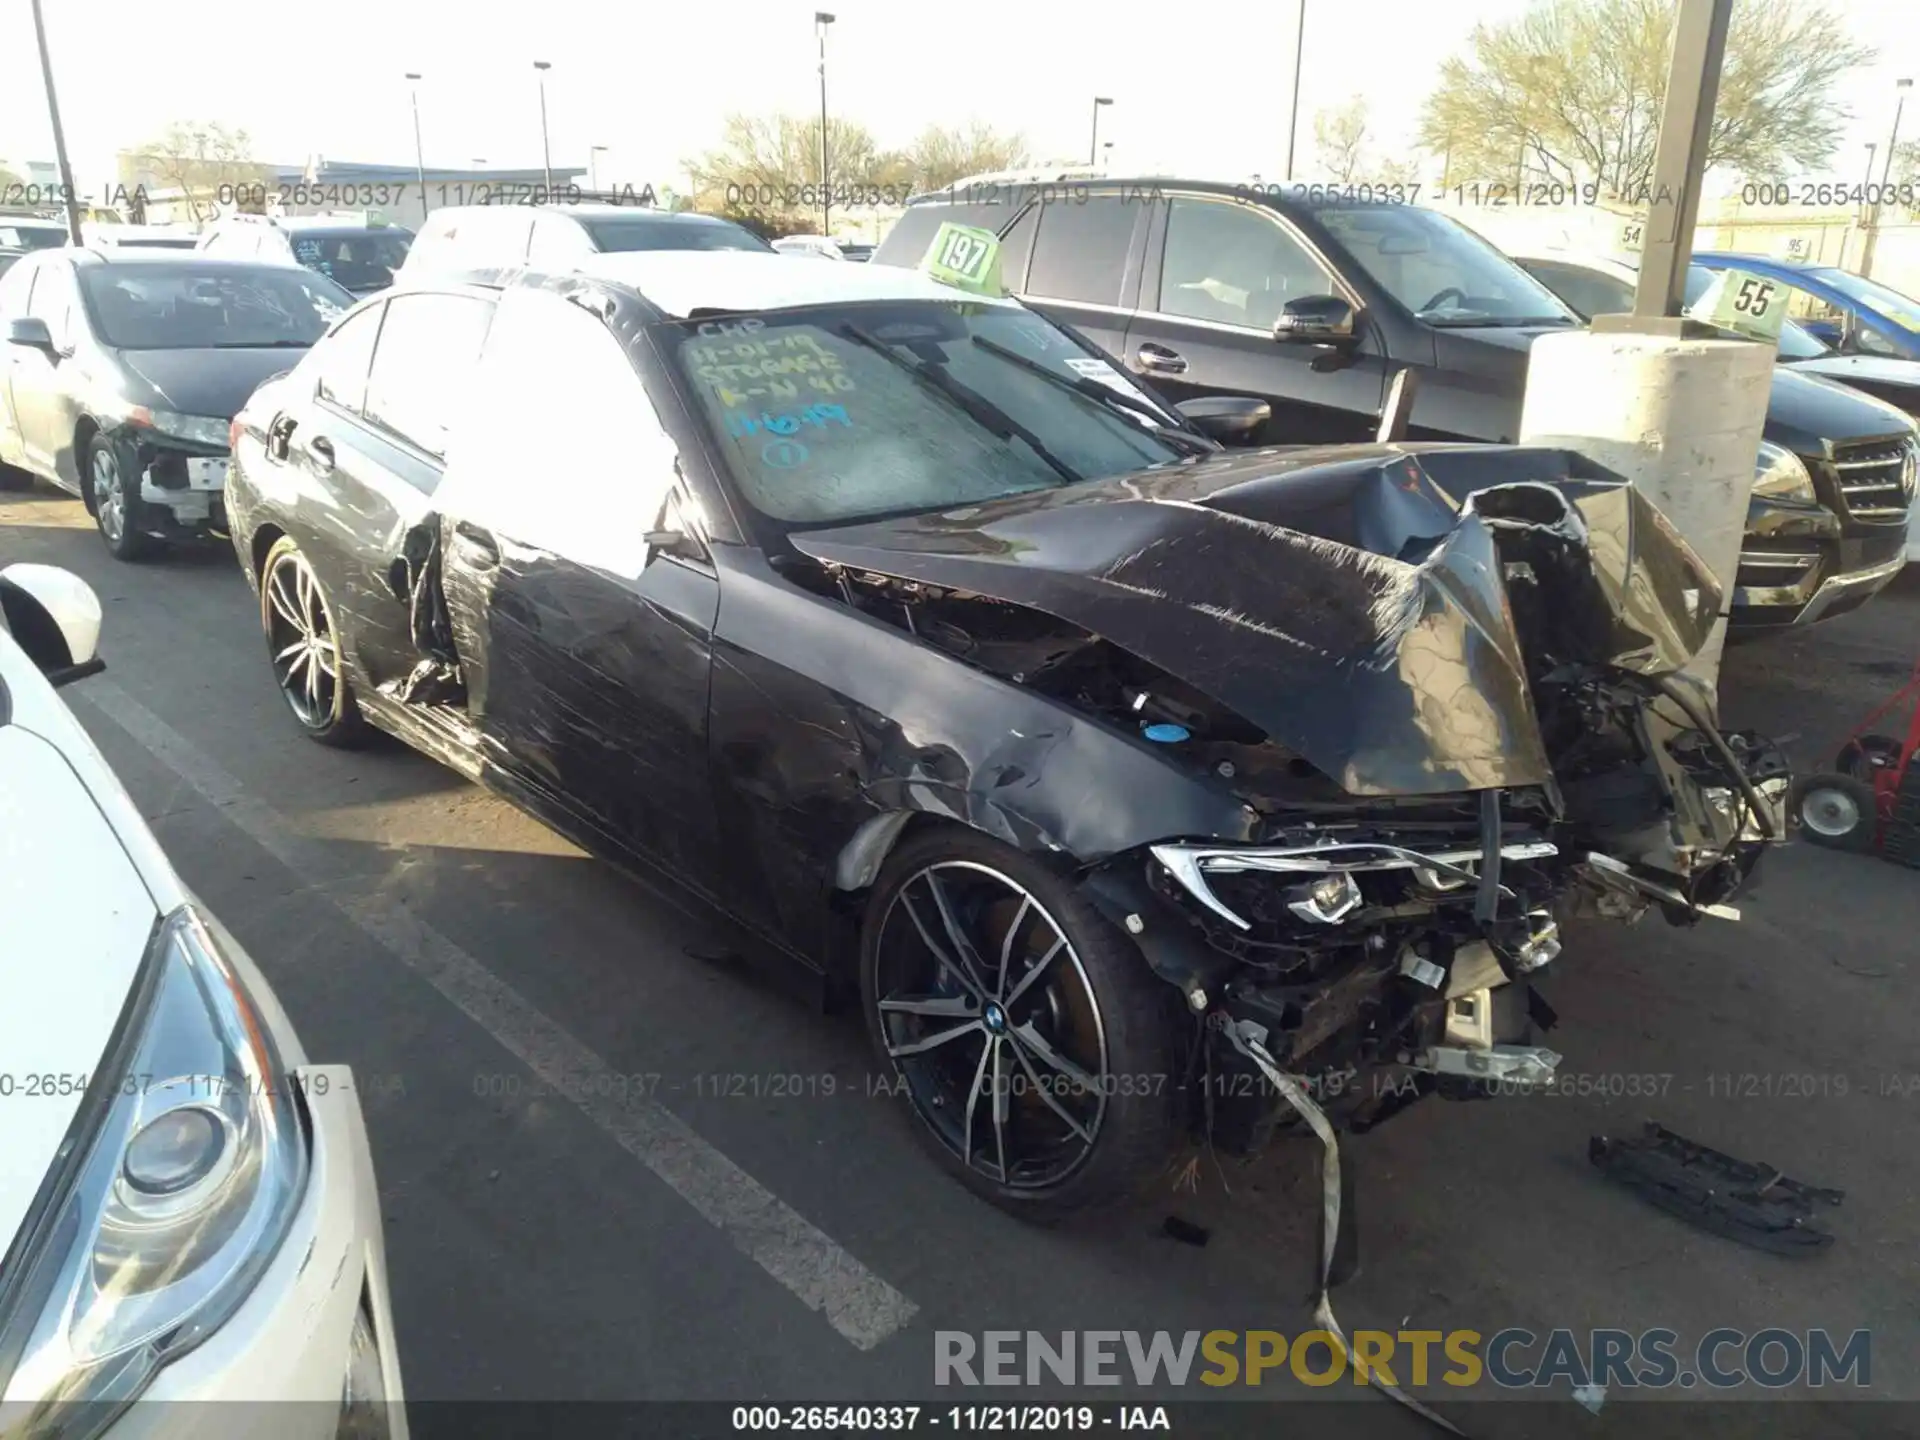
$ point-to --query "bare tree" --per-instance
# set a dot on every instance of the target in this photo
(942, 154)
(766, 171)
(1572, 91)
(202, 159)
(1338, 133)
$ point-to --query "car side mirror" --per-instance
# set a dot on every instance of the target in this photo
(32, 332)
(54, 617)
(1230, 419)
(1316, 320)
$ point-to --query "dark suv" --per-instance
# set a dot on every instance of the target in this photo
(1313, 303)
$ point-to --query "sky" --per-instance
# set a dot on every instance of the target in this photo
(1198, 88)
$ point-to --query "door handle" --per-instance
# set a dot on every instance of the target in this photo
(481, 549)
(1162, 361)
(322, 449)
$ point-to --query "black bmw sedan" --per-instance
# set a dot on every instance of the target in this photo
(1116, 771)
(123, 372)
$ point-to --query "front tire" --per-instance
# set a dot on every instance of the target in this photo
(113, 495)
(1034, 1047)
(303, 640)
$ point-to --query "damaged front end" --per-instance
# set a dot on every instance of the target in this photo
(1445, 682)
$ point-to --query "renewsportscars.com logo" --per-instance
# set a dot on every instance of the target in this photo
(1511, 1359)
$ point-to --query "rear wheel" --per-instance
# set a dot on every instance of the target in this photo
(1031, 1042)
(303, 641)
(113, 494)
(1836, 812)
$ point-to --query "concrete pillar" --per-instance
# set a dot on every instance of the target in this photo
(1680, 418)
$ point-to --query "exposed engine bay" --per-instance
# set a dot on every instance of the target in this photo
(1416, 858)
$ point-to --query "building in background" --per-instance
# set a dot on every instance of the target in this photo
(195, 192)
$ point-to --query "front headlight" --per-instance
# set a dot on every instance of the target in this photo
(177, 1184)
(1780, 474)
(202, 429)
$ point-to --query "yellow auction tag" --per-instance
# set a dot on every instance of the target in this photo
(965, 257)
(1749, 305)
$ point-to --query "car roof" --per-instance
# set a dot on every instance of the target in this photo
(334, 224)
(135, 258)
(679, 282)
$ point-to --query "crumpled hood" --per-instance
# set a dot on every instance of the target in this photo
(1348, 600)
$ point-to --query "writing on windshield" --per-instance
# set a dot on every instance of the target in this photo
(828, 415)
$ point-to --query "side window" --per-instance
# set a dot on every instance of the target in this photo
(547, 363)
(557, 243)
(343, 359)
(1233, 264)
(54, 300)
(423, 364)
(15, 287)
(1081, 250)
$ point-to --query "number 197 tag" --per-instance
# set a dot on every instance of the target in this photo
(1750, 305)
(967, 258)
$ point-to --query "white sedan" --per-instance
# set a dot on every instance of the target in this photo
(187, 1205)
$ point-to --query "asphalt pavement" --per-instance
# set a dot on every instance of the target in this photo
(621, 1161)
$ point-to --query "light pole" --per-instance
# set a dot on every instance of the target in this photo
(821, 20)
(1293, 125)
(546, 154)
(594, 152)
(419, 154)
(1866, 185)
(59, 134)
(1093, 146)
(1900, 88)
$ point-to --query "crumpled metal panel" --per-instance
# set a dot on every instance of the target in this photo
(1352, 603)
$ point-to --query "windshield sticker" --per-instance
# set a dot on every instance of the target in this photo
(783, 454)
(1095, 369)
(742, 423)
(967, 258)
(1749, 305)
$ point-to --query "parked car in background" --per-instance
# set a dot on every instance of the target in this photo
(817, 247)
(7, 257)
(356, 253)
(888, 579)
(1864, 495)
(102, 235)
(466, 238)
(124, 370)
(1313, 303)
(188, 1208)
(21, 230)
(1853, 314)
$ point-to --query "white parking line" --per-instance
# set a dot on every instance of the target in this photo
(858, 1303)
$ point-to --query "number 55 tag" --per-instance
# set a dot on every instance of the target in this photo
(967, 258)
(1750, 305)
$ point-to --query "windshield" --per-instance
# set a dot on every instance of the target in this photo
(1439, 269)
(658, 232)
(1795, 343)
(357, 259)
(17, 236)
(210, 305)
(842, 413)
(1903, 309)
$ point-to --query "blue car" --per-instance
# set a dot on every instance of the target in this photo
(1855, 315)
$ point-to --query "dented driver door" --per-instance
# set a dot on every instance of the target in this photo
(584, 633)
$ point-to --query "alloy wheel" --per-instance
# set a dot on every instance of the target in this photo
(989, 1017)
(306, 657)
(109, 500)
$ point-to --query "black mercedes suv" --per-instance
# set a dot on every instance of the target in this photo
(1313, 300)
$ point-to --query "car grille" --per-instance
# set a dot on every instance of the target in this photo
(1876, 478)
